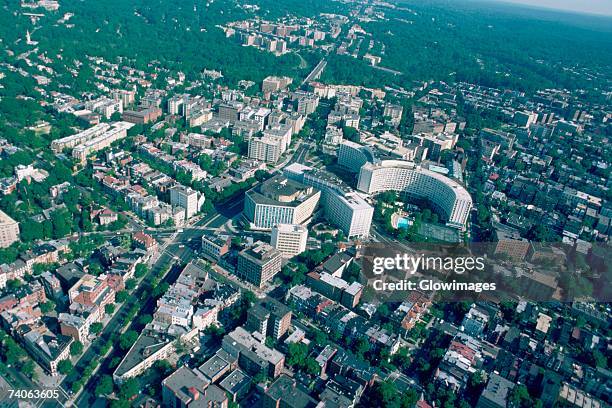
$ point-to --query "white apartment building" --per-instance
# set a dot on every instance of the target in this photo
(188, 199)
(289, 239)
(69, 142)
(105, 106)
(351, 213)
(117, 132)
(267, 149)
(127, 97)
(283, 132)
(352, 155)
(176, 104)
(195, 171)
(406, 177)
(394, 112)
(275, 83)
(256, 115)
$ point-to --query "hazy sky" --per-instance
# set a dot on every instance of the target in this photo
(583, 6)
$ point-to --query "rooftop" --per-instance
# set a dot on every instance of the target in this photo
(235, 381)
(285, 388)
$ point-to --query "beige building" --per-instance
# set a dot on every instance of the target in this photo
(289, 239)
(9, 230)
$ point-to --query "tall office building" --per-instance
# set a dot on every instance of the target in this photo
(188, 199)
(280, 201)
(289, 239)
(259, 263)
(9, 230)
(343, 207)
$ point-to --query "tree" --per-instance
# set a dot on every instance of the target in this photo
(216, 332)
(296, 355)
(109, 309)
(31, 230)
(61, 221)
(475, 385)
(121, 296)
(386, 394)
(261, 175)
(352, 273)
(120, 403)
(13, 284)
(312, 367)
(95, 328)
(249, 297)
(47, 307)
(76, 386)
(541, 233)
(519, 397)
(362, 346)
(127, 339)
(76, 348)
(145, 319)
(130, 284)
(28, 368)
(160, 289)
(141, 270)
(105, 386)
(64, 367)
(129, 388)
(294, 277)
(446, 156)
(260, 378)
(163, 368)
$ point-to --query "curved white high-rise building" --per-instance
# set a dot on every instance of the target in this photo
(406, 177)
(353, 155)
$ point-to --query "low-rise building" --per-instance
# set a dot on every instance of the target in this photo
(47, 347)
(214, 247)
(254, 356)
(189, 388)
(142, 116)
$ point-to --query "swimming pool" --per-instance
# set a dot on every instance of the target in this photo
(402, 223)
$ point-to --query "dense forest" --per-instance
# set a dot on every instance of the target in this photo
(491, 44)
(180, 35)
(487, 43)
